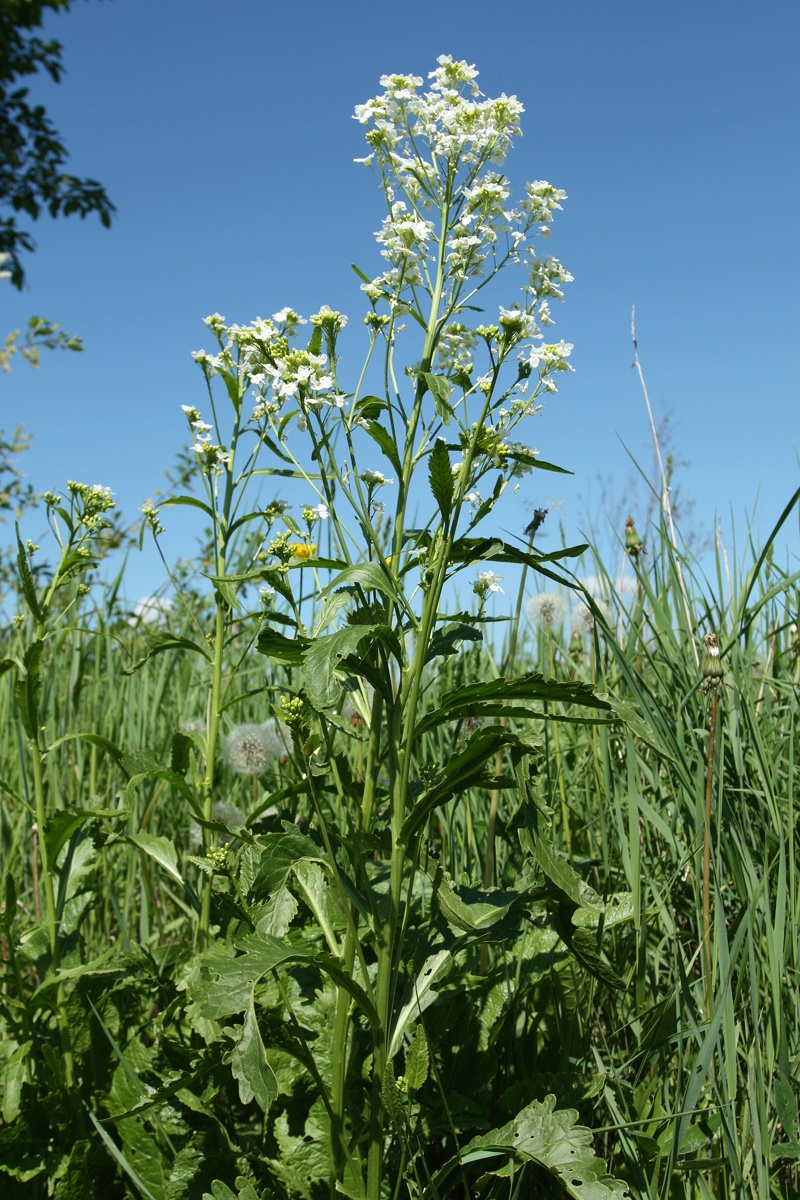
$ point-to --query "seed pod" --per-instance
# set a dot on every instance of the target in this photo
(712, 668)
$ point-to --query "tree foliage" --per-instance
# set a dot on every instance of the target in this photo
(32, 155)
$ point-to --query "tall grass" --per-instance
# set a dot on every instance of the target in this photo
(683, 1057)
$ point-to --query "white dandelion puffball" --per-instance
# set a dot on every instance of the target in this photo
(546, 609)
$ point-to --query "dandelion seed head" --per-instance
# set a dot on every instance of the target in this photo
(250, 749)
(546, 609)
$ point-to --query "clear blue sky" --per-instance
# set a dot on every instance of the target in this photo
(223, 132)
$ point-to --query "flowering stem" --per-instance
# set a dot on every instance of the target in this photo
(707, 854)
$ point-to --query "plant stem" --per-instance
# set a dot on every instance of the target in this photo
(707, 855)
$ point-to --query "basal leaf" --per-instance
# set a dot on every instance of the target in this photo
(542, 1134)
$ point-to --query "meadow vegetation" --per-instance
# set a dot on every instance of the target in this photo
(342, 872)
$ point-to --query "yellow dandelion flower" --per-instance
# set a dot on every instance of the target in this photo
(303, 549)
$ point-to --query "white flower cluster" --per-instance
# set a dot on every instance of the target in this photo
(210, 456)
(259, 356)
(441, 150)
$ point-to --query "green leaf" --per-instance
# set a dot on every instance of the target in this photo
(559, 872)
(324, 656)
(420, 994)
(446, 642)
(277, 854)
(249, 1065)
(180, 752)
(60, 827)
(14, 1074)
(282, 649)
(552, 1138)
(386, 443)
(26, 580)
(329, 611)
(161, 850)
(369, 575)
(638, 726)
(163, 640)
(440, 476)
(28, 689)
(482, 699)
(533, 460)
(191, 502)
(417, 1061)
(94, 739)
(391, 1096)
(440, 389)
(463, 770)
(468, 909)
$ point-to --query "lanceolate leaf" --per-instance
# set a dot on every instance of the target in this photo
(161, 849)
(559, 872)
(463, 770)
(420, 994)
(478, 699)
(417, 1061)
(27, 689)
(386, 443)
(163, 640)
(26, 580)
(440, 474)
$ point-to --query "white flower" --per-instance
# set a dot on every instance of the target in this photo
(322, 511)
(374, 478)
(486, 583)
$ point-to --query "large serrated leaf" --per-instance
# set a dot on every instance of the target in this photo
(249, 1065)
(552, 1138)
(323, 657)
(369, 575)
(440, 475)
